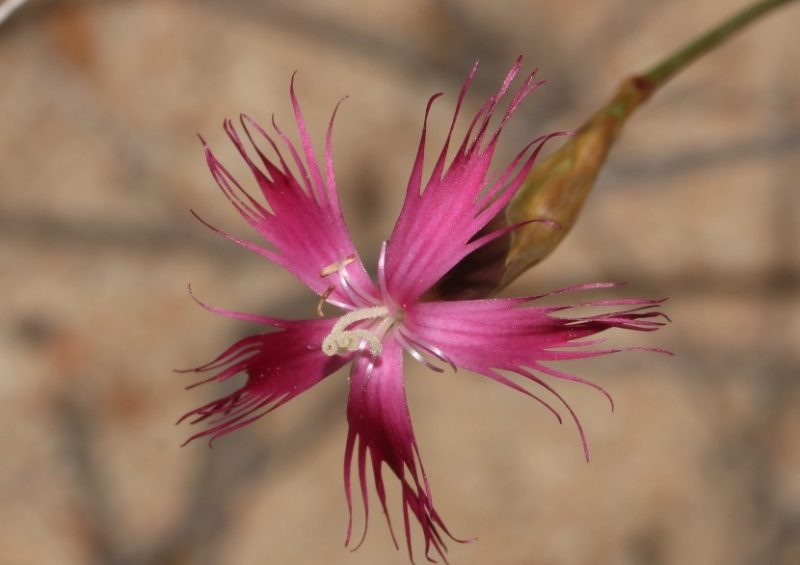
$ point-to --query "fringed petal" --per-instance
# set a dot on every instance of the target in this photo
(486, 336)
(437, 226)
(279, 366)
(380, 426)
(299, 215)
(300, 219)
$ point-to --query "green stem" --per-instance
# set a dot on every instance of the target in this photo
(663, 71)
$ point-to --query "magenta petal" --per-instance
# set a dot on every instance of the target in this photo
(436, 227)
(380, 425)
(509, 334)
(279, 366)
(300, 219)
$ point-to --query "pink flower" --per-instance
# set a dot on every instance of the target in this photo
(299, 216)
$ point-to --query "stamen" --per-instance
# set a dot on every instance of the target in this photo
(413, 346)
(341, 339)
(404, 343)
(334, 267)
(322, 299)
(357, 296)
(382, 279)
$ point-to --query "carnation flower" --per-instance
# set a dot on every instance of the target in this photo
(298, 214)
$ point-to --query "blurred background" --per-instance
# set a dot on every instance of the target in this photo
(99, 166)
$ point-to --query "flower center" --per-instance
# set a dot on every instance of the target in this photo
(342, 339)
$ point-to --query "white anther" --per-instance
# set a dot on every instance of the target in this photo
(341, 339)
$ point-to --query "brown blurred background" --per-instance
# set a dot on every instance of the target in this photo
(99, 166)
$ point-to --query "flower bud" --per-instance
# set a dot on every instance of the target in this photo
(557, 186)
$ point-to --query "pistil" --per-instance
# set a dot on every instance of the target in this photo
(342, 339)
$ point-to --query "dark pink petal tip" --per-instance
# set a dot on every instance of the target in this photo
(278, 366)
(380, 433)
